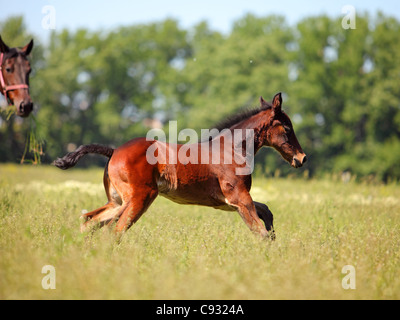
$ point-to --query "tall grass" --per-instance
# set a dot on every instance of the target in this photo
(34, 143)
(191, 252)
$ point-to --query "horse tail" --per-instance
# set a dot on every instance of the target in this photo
(72, 158)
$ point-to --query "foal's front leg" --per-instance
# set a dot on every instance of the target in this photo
(238, 197)
(266, 215)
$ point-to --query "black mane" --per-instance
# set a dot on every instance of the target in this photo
(243, 115)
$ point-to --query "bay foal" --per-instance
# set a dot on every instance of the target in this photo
(134, 176)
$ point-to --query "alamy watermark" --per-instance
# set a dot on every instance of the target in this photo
(49, 280)
(225, 147)
(349, 280)
(49, 19)
(349, 20)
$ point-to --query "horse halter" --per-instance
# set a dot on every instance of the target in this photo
(5, 87)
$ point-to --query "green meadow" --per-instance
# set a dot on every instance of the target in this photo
(192, 252)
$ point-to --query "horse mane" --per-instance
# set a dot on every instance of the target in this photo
(244, 114)
(13, 52)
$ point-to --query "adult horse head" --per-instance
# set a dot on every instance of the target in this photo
(14, 77)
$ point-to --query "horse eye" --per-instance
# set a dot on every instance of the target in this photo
(8, 70)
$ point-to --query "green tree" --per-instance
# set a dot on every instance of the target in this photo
(227, 73)
(374, 149)
(340, 86)
(347, 93)
(99, 87)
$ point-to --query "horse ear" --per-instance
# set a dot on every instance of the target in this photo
(3, 47)
(277, 102)
(28, 48)
(263, 103)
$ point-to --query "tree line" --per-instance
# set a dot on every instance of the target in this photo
(340, 86)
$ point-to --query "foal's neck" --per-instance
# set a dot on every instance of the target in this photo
(260, 123)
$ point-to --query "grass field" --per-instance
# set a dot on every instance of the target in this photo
(190, 252)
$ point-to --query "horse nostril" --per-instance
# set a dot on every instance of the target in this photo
(298, 161)
(25, 108)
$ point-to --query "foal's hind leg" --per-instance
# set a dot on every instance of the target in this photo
(135, 207)
(101, 215)
(266, 215)
(106, 213)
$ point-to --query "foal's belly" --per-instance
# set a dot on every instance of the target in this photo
(204, 193)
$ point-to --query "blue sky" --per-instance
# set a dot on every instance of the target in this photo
(220, 14)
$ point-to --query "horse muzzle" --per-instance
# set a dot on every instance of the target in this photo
(299, 160)
(24, 108)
